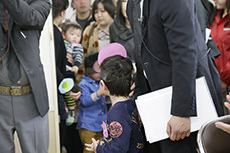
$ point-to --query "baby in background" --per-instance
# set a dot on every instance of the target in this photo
(72, 32)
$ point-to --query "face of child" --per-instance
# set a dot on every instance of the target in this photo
(102, 17)
(95, 76)
(220, 4)
(73, 35)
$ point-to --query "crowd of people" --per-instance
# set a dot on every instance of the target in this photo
(107, 53)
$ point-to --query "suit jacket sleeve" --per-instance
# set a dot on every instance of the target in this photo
(178, 19)
(28, 13)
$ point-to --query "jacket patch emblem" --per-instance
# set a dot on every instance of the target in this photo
(115, 129)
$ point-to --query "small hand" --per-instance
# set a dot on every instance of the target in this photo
(75, 69)
(132, 89)
(102, 90)
(75, 96)
(70, 58)
(92, 146)
(178, 128)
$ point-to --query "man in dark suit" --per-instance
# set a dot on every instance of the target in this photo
(173, 52)
(23, 92)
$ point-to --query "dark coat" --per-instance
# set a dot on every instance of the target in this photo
(174, 53)
(120, 34)
(60, 55)
(28, 17)
(204, 10)
(121, 131)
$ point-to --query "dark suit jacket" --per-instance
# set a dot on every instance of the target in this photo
(203, 15)
(174, 53)
(28, 17)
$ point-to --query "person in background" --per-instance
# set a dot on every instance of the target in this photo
(96, 35)
(120, 30)
(204, 9)
(59, 7)
(72, 32)
(23, 92)
(220, 26)
(172, 51)
(92, 106)
(82, 12)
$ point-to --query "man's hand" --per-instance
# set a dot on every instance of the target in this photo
(178, 128)
(223, 126)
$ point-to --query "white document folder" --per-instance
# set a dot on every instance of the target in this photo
(155, 107)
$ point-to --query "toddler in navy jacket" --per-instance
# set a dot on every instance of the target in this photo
(121, 131)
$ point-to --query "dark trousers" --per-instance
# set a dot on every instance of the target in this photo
(188, 145)
(62, 133)
(69, 138)
(72, 141)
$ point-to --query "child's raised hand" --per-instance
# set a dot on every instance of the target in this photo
(75, 69)
(92, 146)
(132, 89)
(75, 96)
(103, 89)
(70, 58)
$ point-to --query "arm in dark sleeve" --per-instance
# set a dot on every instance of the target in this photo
(27, 13)
(118, 141)
(178, 18)
(60, 55)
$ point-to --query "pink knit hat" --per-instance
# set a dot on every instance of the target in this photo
(111, 50)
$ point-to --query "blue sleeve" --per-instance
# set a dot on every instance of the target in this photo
(86, 98)
(118, 140)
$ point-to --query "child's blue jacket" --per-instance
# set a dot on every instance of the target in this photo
(92, 109)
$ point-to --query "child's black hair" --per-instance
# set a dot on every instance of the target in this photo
(116, 72)
(68, 24)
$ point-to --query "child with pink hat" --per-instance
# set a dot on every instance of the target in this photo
(110, 50)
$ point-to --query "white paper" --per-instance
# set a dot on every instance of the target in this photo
(208, 32)
(155, 107)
